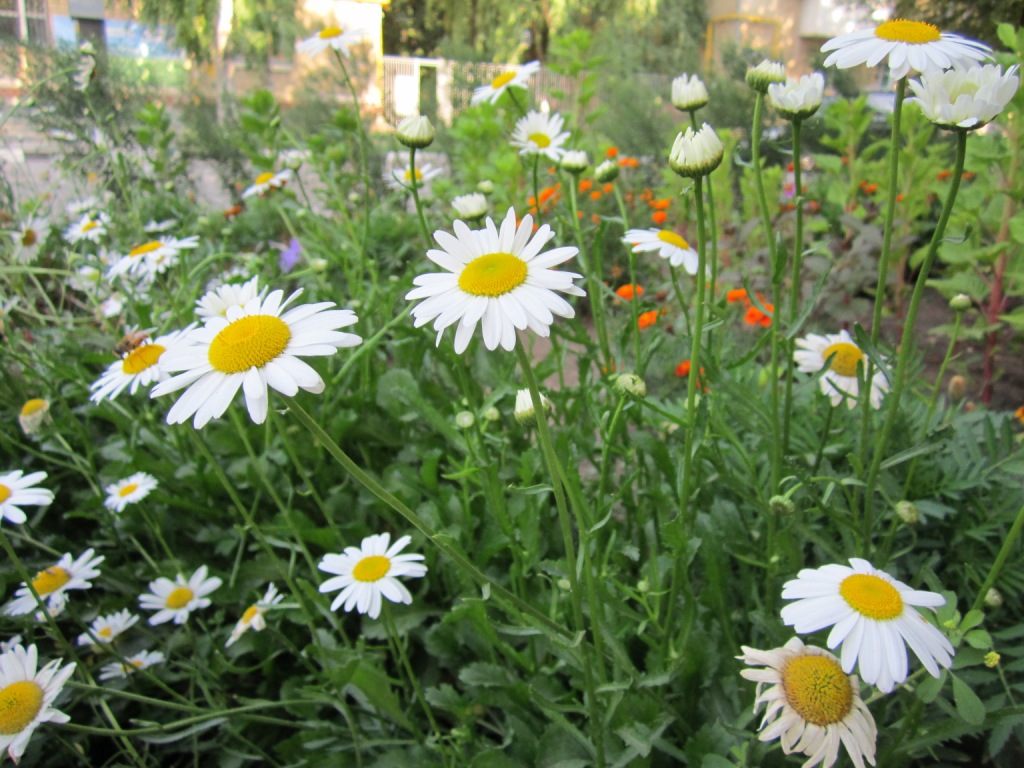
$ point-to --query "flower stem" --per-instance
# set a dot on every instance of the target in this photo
(713, 232)
(399, 648)
(794, 284)
(593, 278)
(1004, 553)
(414, 188)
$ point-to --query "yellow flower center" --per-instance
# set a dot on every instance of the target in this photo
(371, 568)
(33, 406)
(818, 689)
(670, 237)
(179, 598)
(5, 493)
(503, 79)
(329, 33)
(847, 356)
(903, 31)
(141, 358)
(249, 342)
(107, 632)
(871, 596)
(145, 248)
(250, 613)
(263, 178)
(128, 490)
(89, 226)
(409, 174)
(493, 274)
(542, 140)
(19, 704)
(50, 580)
(29, 238)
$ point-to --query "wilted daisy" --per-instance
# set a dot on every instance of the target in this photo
(499, 279)
(667, 243)
(253, 616)
(17, 491)
(540, 134)
(88, 227)
(175, 600)
(811, 705)
(696, 153)
(252, 348)
(141, 365)
(33, 414)
(906, 44)
(515, 78)
(52, 584)
(524, 411)
(131, 665)
(841, 381)
(798, 99)
(334, 36)
(871, 616)
(153, 257)
(268, 181)
(215, 303)
(404, 177)
(689, 93)
(27, 696)
(129, 491)
(369, 572)
(965, 97)
(471, 206)
(28, 237)
(106, 629)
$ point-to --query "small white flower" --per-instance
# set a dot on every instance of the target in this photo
(334, 36)
(253, 616)
(106, 629)
(129, 491)
(798, 99)
(141, 366)
(415, 132)
(696, 153)
(156, 227)
(215, 303)
(689, 93)
(471, 206)
(516, 78)
(266, 182)
(402, 178)
(28, 697)
(17, 491)
(575, 161)
(53, 583)
(841, 381)
(540, 134)
(370, 572)
(8, 645)
(524, 411)
(965, 97)
(668, 244)
(152, 258)
(175, 600)
(293, 158)
(33, 414)
(88, 227)
(764, 74)
(131, 665)
(28, 237)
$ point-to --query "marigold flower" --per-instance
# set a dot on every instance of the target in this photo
(755, 316)
(647, 319)
(585, 185)
(661, 205)
(611, 153)
(629, 291)
(659, 217)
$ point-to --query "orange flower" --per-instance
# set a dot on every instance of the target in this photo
(595, 218)
(647, 194)
(608, 188)
(868, 189)
(943, 175)
(967, 175)
(595, 195)
(611, 153)
(548, 192)
(629, 162)
(585, 185)
(659, 217)
(755, 316)
(1019, 413)
(737, 294)
(899, 198)
(661, 205)
(629, 291)
(647, 319)
(610, 369)
(683, 370)
(233, 211)
(787, 207)
(813, 206)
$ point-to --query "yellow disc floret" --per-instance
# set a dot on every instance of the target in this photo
(503, 79)
(128, 490)
(249, 342)
(372, 568)
(263, 178)
(847, 356)
(145, 248)
(903, 31)
(179, 598)
(50, 580)
(29, 238)
(493, 274)
(141, 358)
(329, 33)
(5, 493)
(33, 406)
(19, 704)
(818, 689)
(871, 596)
(542, 140)
(250, 613)
(670, 237)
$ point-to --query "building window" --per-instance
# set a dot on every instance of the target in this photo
(25, 20)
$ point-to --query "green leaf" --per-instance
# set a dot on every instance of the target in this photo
(968, 705)
(979, 638)
(928, 690)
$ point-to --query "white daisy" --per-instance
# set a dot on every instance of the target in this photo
(523, 411)
(471, 206)
(131, 665)
(841, 381)
(88, 227)
(27, 696)
(113, 305)
(7, 645)
(253, 616)
(53, 583)
(798, 99)
(33, 414)
(215, 303)
(106, 629)
(668, 244)
(689, 93)
(17, 491)
(141, 366)
(540, 134)
(90, 204)
(155, 227)
(175, 600)
(499, 279)
(28, 237)
(812, 706)
(514, 78)
(764, 74)
(253, 347)
(965, 97)
(336, 37)
(696, 153)
(152, 258)
(402, 178)
(129, 491)
(907, 45)
(871, 616)
(268, 181)
(371, 571)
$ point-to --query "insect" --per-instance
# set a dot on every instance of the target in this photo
(132, 340)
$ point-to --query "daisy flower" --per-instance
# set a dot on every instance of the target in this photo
(7, 645)
(175, 600)
(523, 412)
(33, 414)
(88, 227)
(140, 366)
(152, 258)
(811, 705)
(402, 178)
(689, 93)
(471, 206)
(128, 491)
(872, 617)
(370, 571)
(668, 244)
(53, 584)
(253, 347)
(798, 99)
(17, 491)
(215, 303)
(27, 696)
(540, 134)
(965, 97)
(514, 78)
(906, 44)
(336, 37)
(131, 665)
(155, 227)
(28, 237)
(696, 153)
(840, 381)
(499, 279)
(106, 629)
(87, 205)
(268, 181)
(253, 616)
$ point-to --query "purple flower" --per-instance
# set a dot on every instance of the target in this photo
(290, 255)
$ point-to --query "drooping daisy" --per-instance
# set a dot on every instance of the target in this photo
(215, 303)
(28, 237)
(499, 279)
(253, 616)
(514, 78)
(871, 616)
(906, 44)
(153, 257)
(965, 97)
(668, 244)
(129, 491)
(811, 705)
(402, 178)
(141, 366)
(27, 696)
(841, 381)
(175, 600)
(88, 227)
(540, 134)
(106, 629)
(369, 572)
(17, 491)
(131, 665)
(334, 36)
(33, 414)
(265, 182)
(52, 584)
(253, 347)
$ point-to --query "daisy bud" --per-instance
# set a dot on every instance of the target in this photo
(781, 505)
(34, 413)
(992, 659)
(907, 512)
(630, 384)
(689, 93)
(764, 74)
(415, 132)
(696, 154)
(575, 161)
(797, 99)
(492, 414)
(643, 586)
(960, 303)
(471, 206)
(993, 598)
(524, 412)
(486, 186)
(957, 388)
(464, 419)
(964, 98)
(606, 171)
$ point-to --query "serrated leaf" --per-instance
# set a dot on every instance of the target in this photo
(968, 705)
